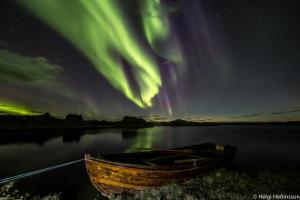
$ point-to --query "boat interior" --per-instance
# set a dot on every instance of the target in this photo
(175, 156)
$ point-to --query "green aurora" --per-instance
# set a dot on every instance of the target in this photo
(156, 25)
(158, 32)
(100, 31)
(16, 110)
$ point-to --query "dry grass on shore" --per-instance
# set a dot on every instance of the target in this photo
(222, 184)
(8, 193)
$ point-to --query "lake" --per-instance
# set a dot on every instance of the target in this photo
(259, 147)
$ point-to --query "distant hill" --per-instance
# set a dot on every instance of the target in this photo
(180, 122)
(72, 121)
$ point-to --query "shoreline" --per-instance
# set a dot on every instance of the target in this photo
(45, 122)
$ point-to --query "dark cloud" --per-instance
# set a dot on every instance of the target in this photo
(198, 119)
(158, 118)
(33, 74)
(253, 115)
(3, 43)
(34, 83)
(267, 113)
(277, 113)
(18, 68)
(204, 120)
(235, 117)
(285, 112)
(293, 111)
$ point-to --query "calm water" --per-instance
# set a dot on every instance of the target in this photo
(259, 147)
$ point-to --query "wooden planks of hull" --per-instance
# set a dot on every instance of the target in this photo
(111, 177)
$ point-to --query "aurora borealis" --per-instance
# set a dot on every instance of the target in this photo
(161, 59)
(14, 110)
(106, 39)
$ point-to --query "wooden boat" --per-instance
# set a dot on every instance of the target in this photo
(128, 172)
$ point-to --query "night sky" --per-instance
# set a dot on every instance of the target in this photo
(198, 60)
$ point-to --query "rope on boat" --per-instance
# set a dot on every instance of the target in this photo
(20, 176)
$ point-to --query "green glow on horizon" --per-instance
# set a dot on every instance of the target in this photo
(99, 30)
(16, 110)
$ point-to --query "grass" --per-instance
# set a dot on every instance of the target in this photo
(218, 185)
(222, 184)
(8, 193)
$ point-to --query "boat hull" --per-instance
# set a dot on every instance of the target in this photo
(112, 178)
